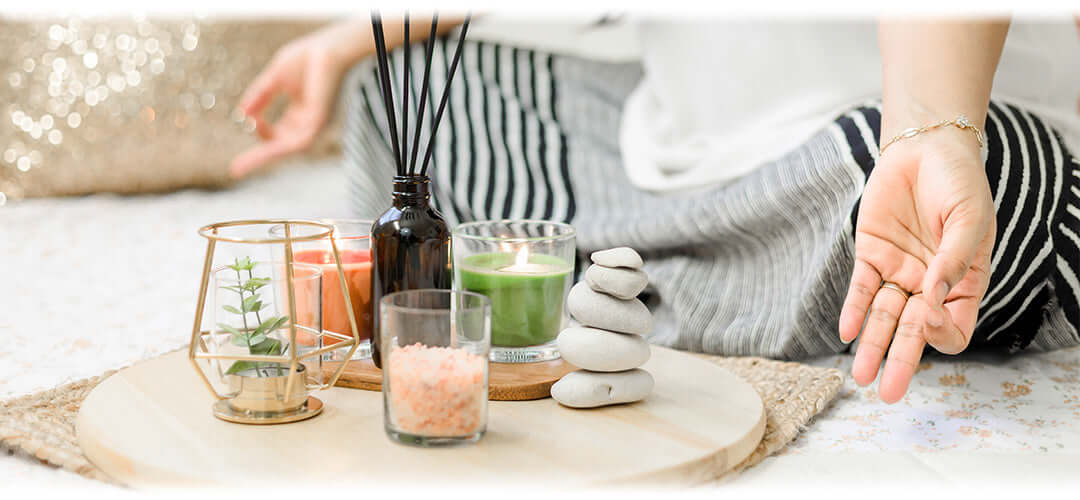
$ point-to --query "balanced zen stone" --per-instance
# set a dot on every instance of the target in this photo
(602, 311)
(609, 348)
(622, 283)
(618, 257)
(601, 350)
(585, 389)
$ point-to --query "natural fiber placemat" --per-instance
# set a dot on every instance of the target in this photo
(792, 392)
(42, 425)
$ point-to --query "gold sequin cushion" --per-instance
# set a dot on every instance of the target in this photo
(126, 105)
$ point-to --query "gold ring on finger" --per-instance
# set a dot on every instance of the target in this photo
(893, 286)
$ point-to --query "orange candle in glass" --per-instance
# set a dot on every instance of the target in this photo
(357, 267)
(354, 247)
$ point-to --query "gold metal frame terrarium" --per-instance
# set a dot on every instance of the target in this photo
(273, 399)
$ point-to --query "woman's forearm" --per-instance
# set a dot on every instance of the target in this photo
(357, 42)
(936, 70)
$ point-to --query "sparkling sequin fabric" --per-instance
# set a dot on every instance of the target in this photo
(126, 105)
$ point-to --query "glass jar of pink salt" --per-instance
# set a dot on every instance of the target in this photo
(434, 346)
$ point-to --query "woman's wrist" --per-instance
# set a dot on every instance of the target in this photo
(906, 112)
(961, 123)
(955, 142)
(352, 40)
(937, 70)
(349, 41)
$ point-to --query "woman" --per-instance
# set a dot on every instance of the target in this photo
(737, 157)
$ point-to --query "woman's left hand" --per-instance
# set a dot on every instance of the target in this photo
(926, 223)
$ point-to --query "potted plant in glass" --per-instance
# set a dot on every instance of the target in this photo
(264, 350)
(251, 321)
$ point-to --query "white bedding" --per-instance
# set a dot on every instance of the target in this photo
(93, 283)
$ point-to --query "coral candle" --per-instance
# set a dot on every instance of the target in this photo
(357, 267)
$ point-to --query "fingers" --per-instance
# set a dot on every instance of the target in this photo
(960, 239)
(954, 334)
(263, 129)
(892, 261)
(263, 153)
(865, 282)
(904, 352)
(320, 88)
(262, 90)
(874, 341)
(912, 335)
(260, 154)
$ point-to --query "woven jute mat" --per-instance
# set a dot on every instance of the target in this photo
(42, 425)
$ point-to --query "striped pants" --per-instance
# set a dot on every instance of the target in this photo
(759, 266)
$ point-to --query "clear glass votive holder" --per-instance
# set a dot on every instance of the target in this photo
(434, 346)
(526, 268)
(354, 246)
(251, 313)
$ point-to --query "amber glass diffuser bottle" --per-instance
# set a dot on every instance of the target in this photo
(410, 245)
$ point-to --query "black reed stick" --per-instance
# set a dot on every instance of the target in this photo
(428, 50)
(445, 96)
(388, 96)
(405, 91)
(406, 163)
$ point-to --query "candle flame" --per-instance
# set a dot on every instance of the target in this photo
(522, 257)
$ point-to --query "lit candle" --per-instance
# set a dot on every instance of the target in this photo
(526, 291)
(522, 265)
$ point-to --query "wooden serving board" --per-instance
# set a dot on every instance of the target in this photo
(507, 381)
(151, 425)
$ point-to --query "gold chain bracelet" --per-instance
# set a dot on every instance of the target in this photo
(961, 122)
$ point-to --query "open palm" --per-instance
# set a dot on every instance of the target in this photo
(926, 223)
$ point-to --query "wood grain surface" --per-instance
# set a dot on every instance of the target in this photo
(507, 381)
(151, 425)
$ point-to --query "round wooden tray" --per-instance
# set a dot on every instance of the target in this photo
(151, 424)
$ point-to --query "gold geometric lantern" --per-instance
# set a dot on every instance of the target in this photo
(263, 352)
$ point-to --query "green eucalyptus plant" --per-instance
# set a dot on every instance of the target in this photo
(255, 335)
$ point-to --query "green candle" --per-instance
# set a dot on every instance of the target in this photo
(526, 292)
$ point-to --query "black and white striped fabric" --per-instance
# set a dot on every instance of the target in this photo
(500, 153)
(759, 266)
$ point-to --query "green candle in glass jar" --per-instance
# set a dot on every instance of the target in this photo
(526, 292)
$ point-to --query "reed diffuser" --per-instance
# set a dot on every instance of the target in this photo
(410, 241)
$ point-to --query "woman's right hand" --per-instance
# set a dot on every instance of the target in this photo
(308, 71)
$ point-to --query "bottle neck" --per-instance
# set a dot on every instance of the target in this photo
(411, 190)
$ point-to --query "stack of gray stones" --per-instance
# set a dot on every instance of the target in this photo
(609, 346)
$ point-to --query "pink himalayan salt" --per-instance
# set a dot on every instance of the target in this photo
(437, 391)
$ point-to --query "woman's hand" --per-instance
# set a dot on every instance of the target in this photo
(927, 223)
(308, 71)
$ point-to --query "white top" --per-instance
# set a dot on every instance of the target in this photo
(609, 38)
(720, 99)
